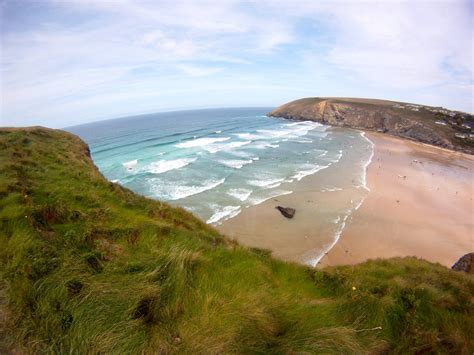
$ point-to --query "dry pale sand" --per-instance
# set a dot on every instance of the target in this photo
(420, 204)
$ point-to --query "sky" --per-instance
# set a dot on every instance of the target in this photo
(67, 62)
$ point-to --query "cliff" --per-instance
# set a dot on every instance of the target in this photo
(432, 125)
(87, 266)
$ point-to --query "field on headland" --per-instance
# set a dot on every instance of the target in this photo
(88, 266)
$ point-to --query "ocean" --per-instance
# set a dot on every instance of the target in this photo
(216, 162)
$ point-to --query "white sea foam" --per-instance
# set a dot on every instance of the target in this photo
(268, 183)
(285, 133)
(273, 133)
(247, 136)
(214, 148)
(274, 193)
(273, 145)
(241, 154)
(172, 192)
(244, 155)
(130, 163)
(359, 204)
(314, 261)
(303, 123)
(261, 145)
(200, 142)
(367, 163)
(240, 193)
(335, 159)
(272, 186)
(236, 164)
(289, 130)
(331, 189)
(218, 132)
(302, 173)
(224, 213)
(304, 141)
(162, 166)
(294, 124)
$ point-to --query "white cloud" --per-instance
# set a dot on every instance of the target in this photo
(95, 53)
(194, 70)
(403, 44)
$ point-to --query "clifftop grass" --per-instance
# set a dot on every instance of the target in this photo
(88, 266)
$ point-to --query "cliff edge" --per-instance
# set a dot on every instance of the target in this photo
(432, 125)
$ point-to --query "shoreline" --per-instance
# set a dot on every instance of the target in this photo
(337, 236)
(373, 228)
(324, 202)
(436, 223)
(369, 161)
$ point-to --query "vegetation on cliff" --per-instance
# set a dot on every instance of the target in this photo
(432, 125)
(88, 266)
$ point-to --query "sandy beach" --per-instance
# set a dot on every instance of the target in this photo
(420, 204)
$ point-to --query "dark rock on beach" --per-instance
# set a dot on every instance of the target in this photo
(288, 212)
(465, 263)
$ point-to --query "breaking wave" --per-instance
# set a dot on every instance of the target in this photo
(162, 166)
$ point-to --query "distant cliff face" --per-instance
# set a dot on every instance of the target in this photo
(426, 124)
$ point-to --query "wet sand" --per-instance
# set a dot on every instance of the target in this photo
(300, 239)
(420, 204)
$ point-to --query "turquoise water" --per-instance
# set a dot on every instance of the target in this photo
(217, 162)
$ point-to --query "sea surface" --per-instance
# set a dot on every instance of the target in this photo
(217, 162)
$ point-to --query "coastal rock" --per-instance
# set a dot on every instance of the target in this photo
(465, 263)
(288, 212)
(410, 121)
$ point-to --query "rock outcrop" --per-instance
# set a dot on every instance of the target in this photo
(465, 263)
(432, 125)
(288, 212)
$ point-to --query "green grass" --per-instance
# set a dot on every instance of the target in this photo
(88, 266)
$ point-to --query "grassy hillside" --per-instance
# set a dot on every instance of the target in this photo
(88, 266)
